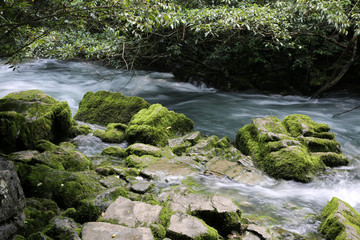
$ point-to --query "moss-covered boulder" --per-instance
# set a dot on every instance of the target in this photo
(114, 133)
(105, 107)
(156, 124)
(29, 116)
(340, 221)
(114, 151)
(295, 149)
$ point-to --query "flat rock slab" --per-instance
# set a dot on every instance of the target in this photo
(259, 231)
(141, 187)
(108, 231)
(132, 213)
(184, 226)
(169, 167)
(198, 202)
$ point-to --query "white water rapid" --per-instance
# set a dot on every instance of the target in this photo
(288, 204)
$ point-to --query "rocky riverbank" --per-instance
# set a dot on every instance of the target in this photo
(113, 196)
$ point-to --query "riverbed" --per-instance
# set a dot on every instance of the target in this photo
(287, 204)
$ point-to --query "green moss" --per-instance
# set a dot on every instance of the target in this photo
(114, 151)
(292, 163)
(332, 159)
(69, 212)
(322, 145)
(67, 189)
(298, 124)
(164, 216)
(140, 149)
(146, 134)
(339, 219)
(44, 145)
(38, 212)
(39, 236)
(10, 125)
(281, 150)
(50, 159)
(156, 124)
(80, 129)
(76, 161)
(18, 237)
(158, 231)
(111, 135)
(87, 212)
(140, 162)
(106, 107)
(67, 146)
(120, 191)
(42, 117)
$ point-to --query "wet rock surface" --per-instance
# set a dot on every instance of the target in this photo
(295, 149)
(12, 200)
(340, 221)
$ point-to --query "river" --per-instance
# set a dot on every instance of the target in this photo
(287, 204)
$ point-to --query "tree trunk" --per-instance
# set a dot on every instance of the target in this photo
(338, 77)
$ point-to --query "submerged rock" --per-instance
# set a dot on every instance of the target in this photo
(102, 230)
(340, 221)
(29, 116)
(295, 149)
(12, 200)
(105, 107)
(156, 125)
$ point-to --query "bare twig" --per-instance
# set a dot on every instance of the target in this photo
(338, 114)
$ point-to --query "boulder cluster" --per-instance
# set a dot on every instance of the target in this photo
(51, 190)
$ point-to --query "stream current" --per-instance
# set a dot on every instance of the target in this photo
(287, 204)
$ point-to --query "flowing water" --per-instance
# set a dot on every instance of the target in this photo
(288, 204)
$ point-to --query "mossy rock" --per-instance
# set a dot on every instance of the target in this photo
(295, 149)
(140, 149)
(114, 151)
(340, 221)
(105, 107)
(29, 116)
(114, 133)
(67, 189)
(156, 125)
(76, 161)
(140, 162)
(38, 212)
(63, 228)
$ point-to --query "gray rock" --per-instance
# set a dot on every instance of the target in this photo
(132, 213)
(140, 149)
(217, 211)
(250, 236)
(141, 187)
(259, 231)
(64, 227)
(12, 200)
(106, 231)
(184, 226)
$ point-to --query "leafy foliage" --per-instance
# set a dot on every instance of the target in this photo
(226, 38)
